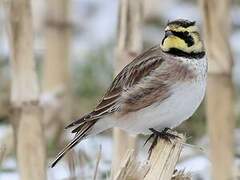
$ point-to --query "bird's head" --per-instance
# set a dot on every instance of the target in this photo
(183, 39)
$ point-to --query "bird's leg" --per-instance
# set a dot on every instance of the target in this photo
(154, 143)
(167, 136)
(150, 137)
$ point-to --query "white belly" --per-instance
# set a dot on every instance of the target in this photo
(183, 102)
(185, 99)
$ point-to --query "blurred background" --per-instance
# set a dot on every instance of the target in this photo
(74, 46)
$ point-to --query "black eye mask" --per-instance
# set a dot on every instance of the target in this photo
(184, 36)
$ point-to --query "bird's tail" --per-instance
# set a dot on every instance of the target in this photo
(82, 131)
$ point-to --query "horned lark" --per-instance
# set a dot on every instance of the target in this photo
(159, 89)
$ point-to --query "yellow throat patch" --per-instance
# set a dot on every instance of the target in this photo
(176, 42)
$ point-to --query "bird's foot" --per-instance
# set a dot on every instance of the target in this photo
(165, 134)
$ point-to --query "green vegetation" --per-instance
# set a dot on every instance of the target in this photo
(92, 77)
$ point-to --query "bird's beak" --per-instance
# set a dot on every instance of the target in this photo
(168, 33)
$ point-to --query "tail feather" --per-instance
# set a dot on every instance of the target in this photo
(78, 121)
(80, 135)
(78, 128)
(86, 118)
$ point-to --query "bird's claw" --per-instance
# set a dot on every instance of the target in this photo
(165, 135)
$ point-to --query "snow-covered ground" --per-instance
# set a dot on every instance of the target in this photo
(192, 160)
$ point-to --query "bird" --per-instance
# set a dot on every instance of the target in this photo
(155, 92)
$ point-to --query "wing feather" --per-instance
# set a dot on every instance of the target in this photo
(81, 134)
(131, 75)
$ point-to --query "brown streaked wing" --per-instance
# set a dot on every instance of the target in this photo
(157, 87)
(131, 74)
(142, 97)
